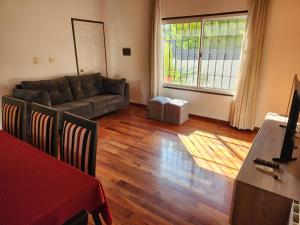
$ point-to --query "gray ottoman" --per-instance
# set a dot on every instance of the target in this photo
(156, 107)
(176, 111)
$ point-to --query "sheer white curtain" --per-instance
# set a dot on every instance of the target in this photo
(244, 105)
(156, 48)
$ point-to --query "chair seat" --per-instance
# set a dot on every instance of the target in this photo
(101, 101)
(76, 107)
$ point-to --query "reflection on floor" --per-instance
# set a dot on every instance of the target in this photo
(155, 173)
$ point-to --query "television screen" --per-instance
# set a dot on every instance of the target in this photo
(289, 136)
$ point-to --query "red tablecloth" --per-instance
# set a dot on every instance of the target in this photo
(36, 189)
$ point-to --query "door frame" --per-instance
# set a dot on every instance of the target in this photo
(74, 40)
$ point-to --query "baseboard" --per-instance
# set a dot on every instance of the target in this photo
(224, 122)
(138, 104)
(209, 119)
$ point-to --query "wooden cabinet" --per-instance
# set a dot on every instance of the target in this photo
(258, 198)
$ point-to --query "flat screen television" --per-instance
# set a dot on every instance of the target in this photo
(289, 136)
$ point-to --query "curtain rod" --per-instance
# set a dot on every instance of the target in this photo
(206, 15)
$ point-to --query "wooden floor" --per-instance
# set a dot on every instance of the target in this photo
(156, 173)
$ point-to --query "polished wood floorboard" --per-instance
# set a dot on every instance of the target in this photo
(156, 173)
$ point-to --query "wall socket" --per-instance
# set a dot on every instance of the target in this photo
(36, 60)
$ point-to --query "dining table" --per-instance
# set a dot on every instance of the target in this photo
(38, 189)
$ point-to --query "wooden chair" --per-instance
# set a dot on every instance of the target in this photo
(14, 117)
(78, 145)
(44, 128)
(80, 218)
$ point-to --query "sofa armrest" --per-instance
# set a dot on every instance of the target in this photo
(41, 97)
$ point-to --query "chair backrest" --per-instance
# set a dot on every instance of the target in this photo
(44, 128)
(14, 117)
(79, 142)
(80, 218)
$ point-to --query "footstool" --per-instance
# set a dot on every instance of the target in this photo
(156, 107)
(176, 111)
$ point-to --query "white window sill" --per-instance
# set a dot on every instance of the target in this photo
(223, 92)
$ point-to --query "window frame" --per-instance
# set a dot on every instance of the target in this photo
(201, 19)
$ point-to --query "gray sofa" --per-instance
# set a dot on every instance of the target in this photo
(88, 96)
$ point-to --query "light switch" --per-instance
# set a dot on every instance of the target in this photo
(127, 51)
(35, 60)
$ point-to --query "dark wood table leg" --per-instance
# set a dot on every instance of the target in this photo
(96, 219)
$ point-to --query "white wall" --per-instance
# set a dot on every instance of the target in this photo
(130, 19)
(207, 105)
(39, 28)
(281, 57)
(173, 8)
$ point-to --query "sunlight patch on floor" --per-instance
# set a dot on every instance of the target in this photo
(216, 153)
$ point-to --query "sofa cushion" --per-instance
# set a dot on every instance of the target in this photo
(78, 108)
(92, 85)
(85, 85)
(75, 85)
(58, 89)
(101, 101)
(114, 86)
(41, 97)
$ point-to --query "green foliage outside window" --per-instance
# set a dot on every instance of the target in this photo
(182, 43)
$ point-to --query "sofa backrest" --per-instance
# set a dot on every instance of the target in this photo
(58, 89)
(85, 85)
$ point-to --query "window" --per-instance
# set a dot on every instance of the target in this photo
(203, 53)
